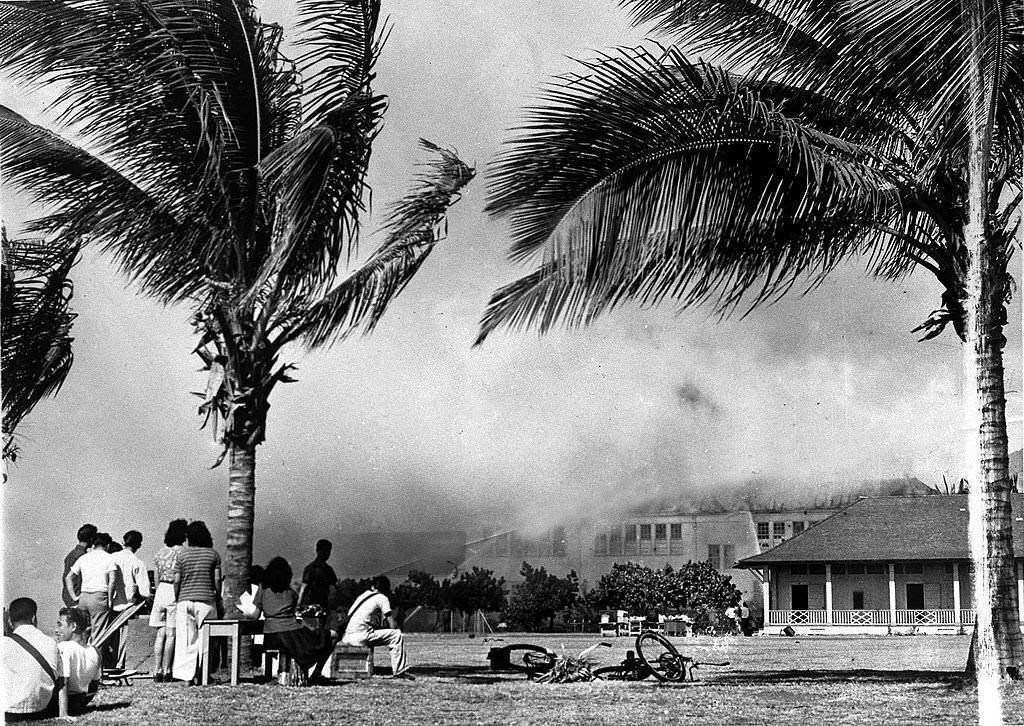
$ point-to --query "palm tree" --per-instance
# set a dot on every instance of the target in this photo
(813, 133)
(36, 324)
(221, 174)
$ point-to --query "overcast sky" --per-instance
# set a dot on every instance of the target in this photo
(414, 429)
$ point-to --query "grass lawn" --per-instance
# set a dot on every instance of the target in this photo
(771, 680)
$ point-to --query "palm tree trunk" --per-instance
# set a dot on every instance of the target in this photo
(999, 649)
(238, 548)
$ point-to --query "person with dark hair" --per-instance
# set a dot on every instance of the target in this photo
(318, 578)
(97, 571)
(86, 536)
(276, 601)
(31, 668)
(365, 619)
(131, 586)
(198, 590)
(80, 662)
(162, 614)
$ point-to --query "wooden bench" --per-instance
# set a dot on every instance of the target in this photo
(351, 662)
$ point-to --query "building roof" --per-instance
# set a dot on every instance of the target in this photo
(888, 529)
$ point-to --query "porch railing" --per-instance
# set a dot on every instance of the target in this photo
(930, 616)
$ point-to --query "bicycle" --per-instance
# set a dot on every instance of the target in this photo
(667, 664)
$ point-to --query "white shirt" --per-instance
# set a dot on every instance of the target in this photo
(133, 578)
(80, 665)
(368, 615)
(93, 567)
(26, 686)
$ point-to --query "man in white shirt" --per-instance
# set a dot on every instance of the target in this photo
(96, 570)
(131, 585)
(365, 618)
(80, 662)
(31, 668)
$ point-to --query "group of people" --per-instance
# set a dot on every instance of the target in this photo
(739, 618)
(307, 624)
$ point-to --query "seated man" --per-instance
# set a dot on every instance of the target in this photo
(80, 662)
(364, 625)
(31, 668)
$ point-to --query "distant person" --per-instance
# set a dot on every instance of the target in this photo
(86, 536)
(746, 624)
(31, 668)
(365, 618)
(200, 568)
(318, 578)
(162, 614)
(277, 602)
(97, 571)
(131, 586)
(732, 614)
(80, 662)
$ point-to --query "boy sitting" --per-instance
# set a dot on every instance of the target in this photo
(80, 662)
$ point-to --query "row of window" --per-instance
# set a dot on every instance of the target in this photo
(859, 568)
(552, 544)
(778, 529)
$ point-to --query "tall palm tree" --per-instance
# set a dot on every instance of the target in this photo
(813, 133)
(36, 325)
(222, 174)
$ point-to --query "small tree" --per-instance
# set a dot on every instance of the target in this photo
(699, 586)
(476, 589)
(420, 588)
(540, 597)
(639, 589)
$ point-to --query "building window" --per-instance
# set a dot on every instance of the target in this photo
(914, 568)
(778, 530)
(558, 542)
(728, 556)
(875, 568)
(762, 530)
(630, 532)
(659, 531)
(601, 544)
(798, 527)
(615, 542)
(815, 569)
(858, 599)
(631, 541)
(855, 568)
(714, 555)
(645, 531)
(838, 570)
(798, 570)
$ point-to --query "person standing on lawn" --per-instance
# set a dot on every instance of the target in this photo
(198, 591)
(86, 536)
(97, 572)
(318, 578)
(365, 618)
(162, 614)
(131, 587)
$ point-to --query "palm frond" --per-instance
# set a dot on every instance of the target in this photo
(413, 229)
(36, 326)
(651, 177)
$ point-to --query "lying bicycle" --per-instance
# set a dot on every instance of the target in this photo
(655, 656)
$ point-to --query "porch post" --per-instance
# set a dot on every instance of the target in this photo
(1020, 592)
(828, 593)
(765, 598)
(956, 592)
(892, 594)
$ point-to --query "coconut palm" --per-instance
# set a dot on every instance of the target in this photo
(36, 324)
(811, 133)
(220, 173)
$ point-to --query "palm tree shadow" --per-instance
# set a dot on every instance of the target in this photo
(951, 679)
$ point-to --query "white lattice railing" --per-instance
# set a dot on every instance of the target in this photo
(930, 616)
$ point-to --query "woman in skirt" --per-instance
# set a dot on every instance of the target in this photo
(276, 601)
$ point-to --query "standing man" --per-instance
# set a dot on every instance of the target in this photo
(318, 578)
(86, 536)
(96, 570)
(364, 626)
(131, 587)
(31, 668)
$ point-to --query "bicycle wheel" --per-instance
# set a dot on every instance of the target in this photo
(660, 656)
(623, 672)
(530, 659)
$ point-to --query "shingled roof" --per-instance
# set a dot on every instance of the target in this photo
(888, 529)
